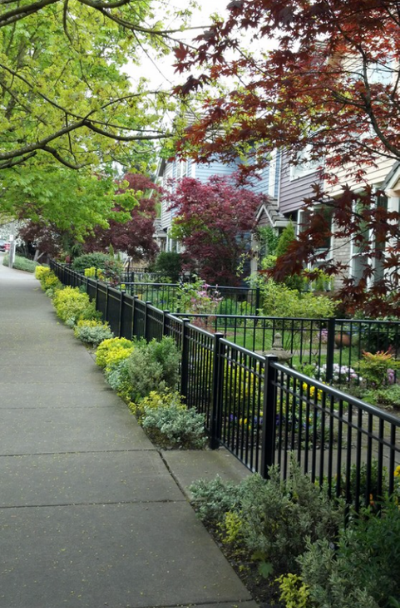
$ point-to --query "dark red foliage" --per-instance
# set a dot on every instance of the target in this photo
(45, 238)
(323, 77)
(213, 221)
(135, 237)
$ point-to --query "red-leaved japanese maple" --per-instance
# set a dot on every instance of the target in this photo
(213, 221)
(135, 237)
(323, 77)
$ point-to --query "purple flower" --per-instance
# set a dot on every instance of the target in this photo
(391, 376)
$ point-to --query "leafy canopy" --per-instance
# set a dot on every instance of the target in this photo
(320, 80)
(65, 93)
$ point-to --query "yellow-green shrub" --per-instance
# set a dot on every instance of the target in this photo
(90, 272)
(232, 527)
(50, 281)
(156, 401)
(112, 351)
(41, 271)
(71, 305)
(294, 592)
(92, 331)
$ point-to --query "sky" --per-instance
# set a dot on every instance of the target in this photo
(160, 72)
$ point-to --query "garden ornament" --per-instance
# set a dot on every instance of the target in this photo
(278, 351)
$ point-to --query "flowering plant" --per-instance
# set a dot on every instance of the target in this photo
(379, 368)
(198, 297)
(341, 374)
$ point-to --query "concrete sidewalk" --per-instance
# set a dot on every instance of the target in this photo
(91, 515)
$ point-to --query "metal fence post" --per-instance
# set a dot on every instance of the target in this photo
(165, 319)
(269, 415)
(330, 349)
(106, 307)
(146, 321)
(134, 300)
(121, 304)
(258, 299)
(185, 357)
(217, 379)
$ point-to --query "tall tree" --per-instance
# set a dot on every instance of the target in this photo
(322, 83)
(65, 94)
(136, 235)
(70, 201)
(125, 228)
(213, 221)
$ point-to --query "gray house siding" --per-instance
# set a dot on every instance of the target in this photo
(205, 171)
(294, 191)
(260, 185)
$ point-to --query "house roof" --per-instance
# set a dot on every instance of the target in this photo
(392, 179)
(271, 210)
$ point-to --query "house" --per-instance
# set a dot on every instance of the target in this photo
(293, 184)
(177, 169)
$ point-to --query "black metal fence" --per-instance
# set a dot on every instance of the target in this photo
(334, 347)
(177, 296)
(262, 411)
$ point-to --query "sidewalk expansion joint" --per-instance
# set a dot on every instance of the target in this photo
(174, 477)
(217, 602)
(152, 449)
(91, 504)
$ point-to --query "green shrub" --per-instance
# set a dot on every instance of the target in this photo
(155, 401)
(214, 498)
(153, 367)
(378, 369)
(72, 306)
(386, 396)
(169, 263)
(92, 332)
(112, 351)
(280, 301)
(277, 516)
(362, 571)
(21, 263)
(285, 240)
(90, 260)
(175, 427)
(118, 378)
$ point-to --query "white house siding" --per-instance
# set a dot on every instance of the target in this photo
(374, 176)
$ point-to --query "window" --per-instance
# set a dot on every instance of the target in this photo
(182, 168)
(274, 174)
(305, 165)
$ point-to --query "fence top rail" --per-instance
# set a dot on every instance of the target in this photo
(255, 317)
(153, 284)
(334, 392)
(140, 284)
(241, 349)
(152, 308)
(204, 332)
(367, 321)
(350, 322)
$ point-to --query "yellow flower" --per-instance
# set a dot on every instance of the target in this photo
(312, 390)
(397, 471)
